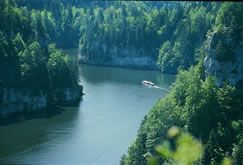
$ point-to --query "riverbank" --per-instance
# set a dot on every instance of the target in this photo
(151, 65)
(27, 100)
(93, 132)
(136, 67)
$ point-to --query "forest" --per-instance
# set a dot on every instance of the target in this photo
(171, 33)
(196, 104)
(203, 103)
(29, 56)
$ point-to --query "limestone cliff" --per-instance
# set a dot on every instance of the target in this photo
(18, 100)
(224, 57)
(68, 96)
(101, 54)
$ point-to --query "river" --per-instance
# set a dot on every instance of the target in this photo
(99, 131)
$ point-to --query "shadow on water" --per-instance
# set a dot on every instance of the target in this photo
(47, 113)
(24, 116)
(28, 131)
(99, 131)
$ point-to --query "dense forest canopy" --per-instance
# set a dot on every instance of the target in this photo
(28, 55)
(30, 26)
(172, 31)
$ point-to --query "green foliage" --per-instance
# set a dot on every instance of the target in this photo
(229, 24)
(187, 149)
(177, 30)
(196, 104)
(199, 107)
(124, 25)
(230, 16)
(26, 60)
(32, 65)
(59, 71)
(172, 33)
(187, 37)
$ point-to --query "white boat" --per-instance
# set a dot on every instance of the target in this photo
(145, 82)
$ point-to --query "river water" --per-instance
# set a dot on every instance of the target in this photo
(99, 131)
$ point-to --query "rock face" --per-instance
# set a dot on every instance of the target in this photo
(101, 54)
(17, 100)
(229, 70)
(68, 96)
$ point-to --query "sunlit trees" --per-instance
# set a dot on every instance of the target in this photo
(32, 65)
(26, 61)
(210, 113)
(59, 72)
(144, 26)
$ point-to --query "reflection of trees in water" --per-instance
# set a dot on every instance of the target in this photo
(93, 74)
(19, 133)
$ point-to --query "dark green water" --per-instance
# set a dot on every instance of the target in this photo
(99, 131)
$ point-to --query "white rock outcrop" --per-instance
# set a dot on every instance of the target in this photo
(230, 71)
(101, 54)
(18, 100)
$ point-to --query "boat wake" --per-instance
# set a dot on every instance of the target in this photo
(152, 85)
(155, 86)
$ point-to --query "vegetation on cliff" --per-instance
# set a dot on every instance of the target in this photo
(171, 33)
(27, 56)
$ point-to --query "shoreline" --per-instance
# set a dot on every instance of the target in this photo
(127, 67)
